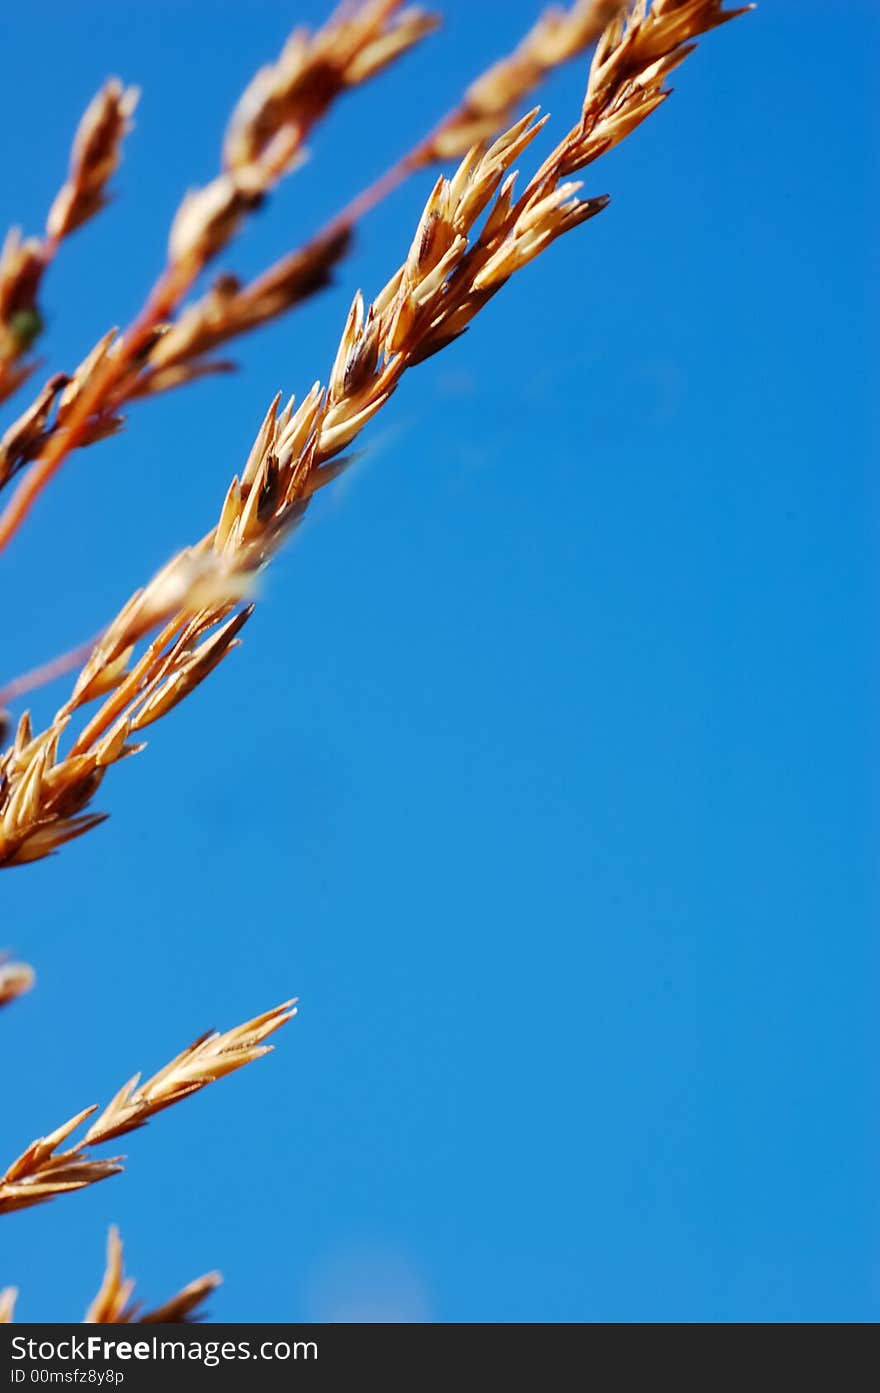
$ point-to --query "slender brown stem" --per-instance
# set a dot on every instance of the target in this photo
(168, 291)
(47, 672)
(375, 193)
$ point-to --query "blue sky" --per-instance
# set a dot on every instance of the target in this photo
(544, 776)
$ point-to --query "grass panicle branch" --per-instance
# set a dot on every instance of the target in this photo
(265, 141)
(44, 1170)
(94, 158)
(113, 1303)
(474, 234)
(492, 100)
(181, 352)
(229, 309)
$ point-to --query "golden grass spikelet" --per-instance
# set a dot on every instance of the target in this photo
(229, 309)
(43, 1172)
(184, 1305)
(113, 1303)
(23, 439)
(285, 99)
(283, 102)
(22, 263)
(491, 101)
(52, 409)
(95, 156)
(450, 273)
(94, 159)
(15, 980)
(209, 1058)
(8, 1298)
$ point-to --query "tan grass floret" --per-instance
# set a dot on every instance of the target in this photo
(113, 1304)
(43, 1172)
(15, 980)
(94, 158)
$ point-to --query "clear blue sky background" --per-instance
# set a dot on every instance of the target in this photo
(544, 775)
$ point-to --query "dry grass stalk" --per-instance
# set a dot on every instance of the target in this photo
(286, 98)
(113, 1303)
(228, 309)
(8, 1298)
(265, 140)
(451, 272)
(43, 1171)
(15, 980)
(181, 353)
(94, 158)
